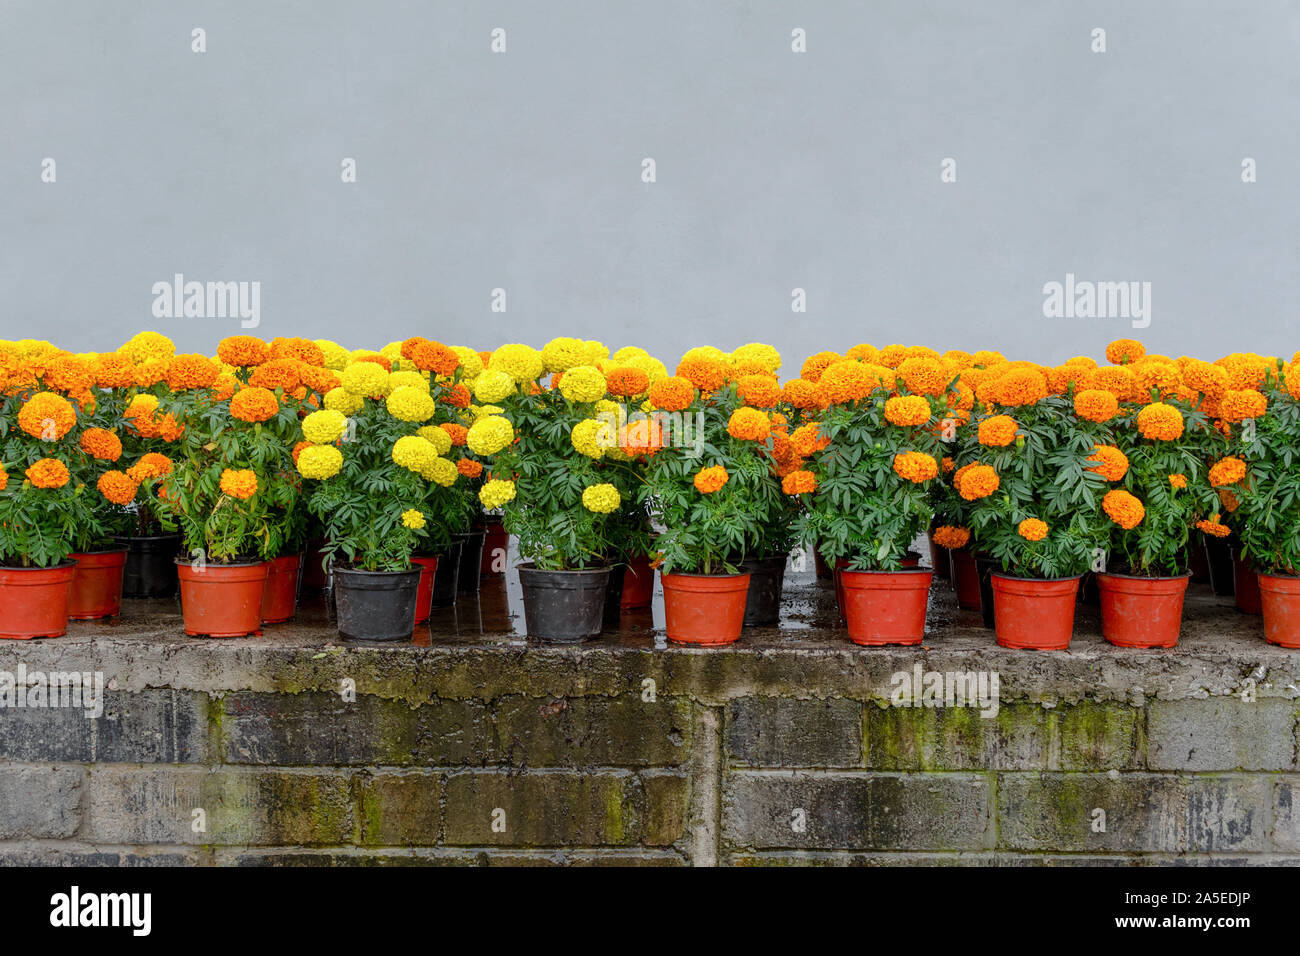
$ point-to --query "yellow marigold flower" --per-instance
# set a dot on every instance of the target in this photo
(441, 471)
(951, 536)
(437, 437)
(915, 466)
(601, 499)
(320, 462)
(596, 352)
(1032, 529)
(1160, 422)
(799, 482)
(1240, 404)
(1123, 351)
(489, 435)
(1111, 463)
(324, 427)
(1123, 509)
(238, 483)
(409, 378)
(925, 376)
(749, 424)
(117, 487)
(710, 479)
(365, 380)
(583, 383)
(410, 404)
(520, 362)
(907, 410)
(653, 368)
(998, 431)
(494, 385)
(1096, 405)
(976, 481)
(148, 346)
(254, 404)
(471, 365)
(47, 416)
(413, 519)
(495, 493)
(336, 356)
(1178, 480)
(414, 453)
(1214, 527)
(48, 473)
(1227, 471)
(342, 401)
(562, 354)
(765, 355)
(591, 437)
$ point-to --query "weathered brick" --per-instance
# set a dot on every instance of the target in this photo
(151, 726)
(1099, 737)
(40, 802)
(400, 809)
(593, 731)
(786, 732)
(1286, 814)
(129, 805)
(74, 854)
(856, 811)
(559, 808)
(1225, 733)
(447, 856)
(1143, 812)
(323, 729)
(667, 808)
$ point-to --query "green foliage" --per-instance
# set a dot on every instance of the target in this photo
(1268, 519)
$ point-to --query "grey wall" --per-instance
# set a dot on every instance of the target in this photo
(775, 170)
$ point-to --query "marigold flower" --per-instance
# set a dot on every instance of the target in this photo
(254, 404)
(998, 431)
(458, 433)
(409, 404)
(413, 519)
(365, 379)
(1160, 422)
(190, 371)
(281, 373)
(1229, 500)
(583, 383)
(759, 390)
(239, 483)
(710, 479)
(1119, 380)
(147, 346)
(1112, 464)
(641, 437)
(815, 365)
(342, 401)
(69, 374)
(749, 424)
(117, 487)
(807, 440)
(101, 443)
(704, 373)
(951, 536)
(48, 473)
(430, 356)
(803, 394)
(976, 481)
(1096, 405)
(320, 462)
(907, 410)
(1020, 386)
(435, 436)
(489, 435)
(846, 381)
(1205, 378)
(1240, 404)
(113, 370)
(47, 416)
(915, 466)
(150, 465)
(521, 362)
(1123, 508)
(496, 493)
(242, 351)
(673, 394)
(324, 427)
(601, 499)
(469, 467)
(1178, 480)
(301, 350)
(925, 376)
(1032, 529)
(1227, 471)
(1122, 351)
(591, 437)
(224, 386)
(626, 381)
(799, 482)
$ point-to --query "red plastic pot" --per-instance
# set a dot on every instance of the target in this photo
(704, 608)
(280, 598)
(965, 579)
(638, 583)
(496, 545)
(886, 607)
(424, 590)
(96, 589)
(222, 600)
(910, 560)
(1141, 612)
(1034, 613)
(34, 601)
(1245, 584)
(1280, 597)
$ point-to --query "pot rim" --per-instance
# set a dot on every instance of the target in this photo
(532, 566)
(1278, 574)
(696, 574)
(874, 571)
(345, 570)
(1143, 577)
(122, 550)
(147, 537)
(218, 564)
(65, 563)
(1016, 577)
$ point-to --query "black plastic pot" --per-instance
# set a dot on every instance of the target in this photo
(766, 579)
(984, 568)
(376, 605)
(614, 595)
(447, 578)
(563, 607)
(150, 570)
(471, 560)
(1218, 554)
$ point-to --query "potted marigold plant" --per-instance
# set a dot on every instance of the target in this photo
(874, 457)
(371, 469)
(546, 447)
(1036, 503)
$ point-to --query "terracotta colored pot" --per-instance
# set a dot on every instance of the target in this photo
(910, 560)
(496, 546)
(638, 583)
(222, 600)
(424, 590)
(704, 608)
(34, 601)
(97, 585)
(1141, 612)
(280, 598)
(1280, 597)
(1034, 613)
(1245, 584)
(965, 579)
(886, 607)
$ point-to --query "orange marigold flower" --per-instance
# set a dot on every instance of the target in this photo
(1160, 422)
(708, 480)
(1032, 529)
(1246, 370)
(705, 374)
(760, 390)
(892, 355)
(672, 394)
(243, 350)
(47, 416)
(1227, 471)
(641, 437)
(150, 465)
(1096, 405)
(814, 365)
(1240, 404)
(1112, 464)
(1229, 500)
(915, 466)
(1178, 480)
(951, 536)
(1156, 375)
(1020, 386)
(803, 394)
(168, 428)
(998, 431)
(457, 433)
(68, 373)
(907, 410)
(431, 356)
(277, 373)
(101, 443)
(1119, 380)
(1122, 351)
(48, 473)
(225, 386)
(863, 353)
(807, 440)
(298, 350)
(749, 424)
(117, 487)
(113, 370)
(239, 483)
(254, 404)
(626, 381)
(846, 381)
(924, 376)
(976, 481)
(1123, 508)
(469, 467)
(1214, 527)
(799, 482)
(319, 378)
(458, 396)
(190, 371)
(1205, 378)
